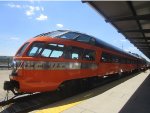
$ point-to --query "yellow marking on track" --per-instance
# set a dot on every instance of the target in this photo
(58, 108)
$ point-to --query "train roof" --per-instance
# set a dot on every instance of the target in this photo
(106, 45)
(98, 42)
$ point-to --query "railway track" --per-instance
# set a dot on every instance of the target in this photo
(32, 102)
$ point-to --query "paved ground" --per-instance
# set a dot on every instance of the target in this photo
(128, 95)
(4, 75)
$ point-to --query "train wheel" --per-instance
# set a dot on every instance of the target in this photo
(86, 84)
(67, 88)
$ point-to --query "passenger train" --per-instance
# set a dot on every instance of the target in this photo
(50, 60)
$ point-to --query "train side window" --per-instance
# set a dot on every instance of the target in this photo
(57, 50)
(33, 51)
(119, 59)
(122, 60)
(104, 57)
(133, 61)
(56, 54)
(46, 52)
(128, 61)
(75, 56)
(73, 52)
(113, 59)
(89, 55)
(125, 61)
(116, 60)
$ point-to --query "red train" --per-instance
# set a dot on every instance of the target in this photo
(49, 60)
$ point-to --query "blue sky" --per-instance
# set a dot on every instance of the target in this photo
(21, 21)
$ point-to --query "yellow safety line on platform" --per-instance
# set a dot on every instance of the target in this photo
(58, 109)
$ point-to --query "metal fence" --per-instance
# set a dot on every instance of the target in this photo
(5, 62)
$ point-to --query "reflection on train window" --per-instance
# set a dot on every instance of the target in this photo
(76, 53)
(56, 54)
(109, 58)
(73, 52)
(69, 35)
(35, 49)
(105, 57)
(53, 51)
(89, 55)
(75, 56)
(53, 34)
(114, 59)
(46, 52)
(92, 41)
(83, 38)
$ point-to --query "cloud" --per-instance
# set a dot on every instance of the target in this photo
(29, 13)
(14, 5)
(42, 17)
(15, 38)
(30, 10)
(59, 25)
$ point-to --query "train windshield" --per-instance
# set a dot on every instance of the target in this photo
(70, 35)
(35, 49)
(53, 33)
(61, 34)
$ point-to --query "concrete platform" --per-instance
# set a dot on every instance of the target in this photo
(127, 95)
(4, 76)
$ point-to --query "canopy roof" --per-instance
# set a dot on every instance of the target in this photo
(131, 18)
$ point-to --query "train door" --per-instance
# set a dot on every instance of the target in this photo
(109, 64)
(105, 64)
(89, 65)
(72, 57)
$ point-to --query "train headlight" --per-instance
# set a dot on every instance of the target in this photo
(14, 64)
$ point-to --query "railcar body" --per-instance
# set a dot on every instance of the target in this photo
(46, 61)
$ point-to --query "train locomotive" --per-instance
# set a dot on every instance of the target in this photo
(49, 60)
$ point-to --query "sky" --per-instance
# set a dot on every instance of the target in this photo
(22, 20)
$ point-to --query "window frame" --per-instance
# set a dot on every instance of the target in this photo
(21, 51)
